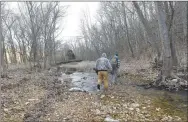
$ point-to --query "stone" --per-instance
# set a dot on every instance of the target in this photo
(177, 118)
(137, 110)
(110, 119)
(134, 105)
(144, 112)
(102, 96)
(76, 89)
(26, 103)
(131, 109)
(167, 119)
(65, 119)
(148, 106)
(147, 115)
(183, 83)
(174, 80)
(125, 105)
(164, 119)
(157, 109)
(33, 99)
(148, 102)
(98, 111)
(6, 110)
(141, 116)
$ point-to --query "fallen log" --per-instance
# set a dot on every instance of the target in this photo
(65, 62)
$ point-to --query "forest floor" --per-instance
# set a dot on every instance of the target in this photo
(46, 96)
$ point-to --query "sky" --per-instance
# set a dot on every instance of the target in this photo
(71, 23)
(74, 15)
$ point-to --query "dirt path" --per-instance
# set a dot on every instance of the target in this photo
(45, 96)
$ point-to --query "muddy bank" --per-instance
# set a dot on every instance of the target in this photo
(173, 103)
(140, 82)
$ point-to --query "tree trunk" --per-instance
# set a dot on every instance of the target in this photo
(12, 47)
(45, 55)
(4, 54)
(127, 30)
(50, 51)
(54, 48)
(169, 21)
(13, 50)
(148, 29)
(145, 12)
(24, 52)
(173, 51)
(167, 57)
(187, 26)
(1, 57)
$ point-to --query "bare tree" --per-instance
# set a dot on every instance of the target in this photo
(150, 33)
(169, 9)
(167, 69)
(127, 30)
(35, 31)
(49, 22)
(1, 54)
(10, 38)
(167, 55)
(187, 23)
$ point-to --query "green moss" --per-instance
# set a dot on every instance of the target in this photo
(9, 118)
(116, 115)
(168, 108)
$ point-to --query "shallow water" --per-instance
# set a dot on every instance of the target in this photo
(88, 83)
(85, 81)
(157, 92)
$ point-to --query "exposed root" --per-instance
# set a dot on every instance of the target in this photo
(157, 64)
(170, 83)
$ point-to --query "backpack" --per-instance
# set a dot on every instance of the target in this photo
(114, 60)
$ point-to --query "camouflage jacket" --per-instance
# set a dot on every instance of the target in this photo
(103, 63)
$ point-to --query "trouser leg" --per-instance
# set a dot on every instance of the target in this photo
(113, 78)
(113, 71)
(115, 74)
(99, 80)
(105, 78)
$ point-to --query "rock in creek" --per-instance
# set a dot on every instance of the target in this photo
(110, 119)
(76, 89)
